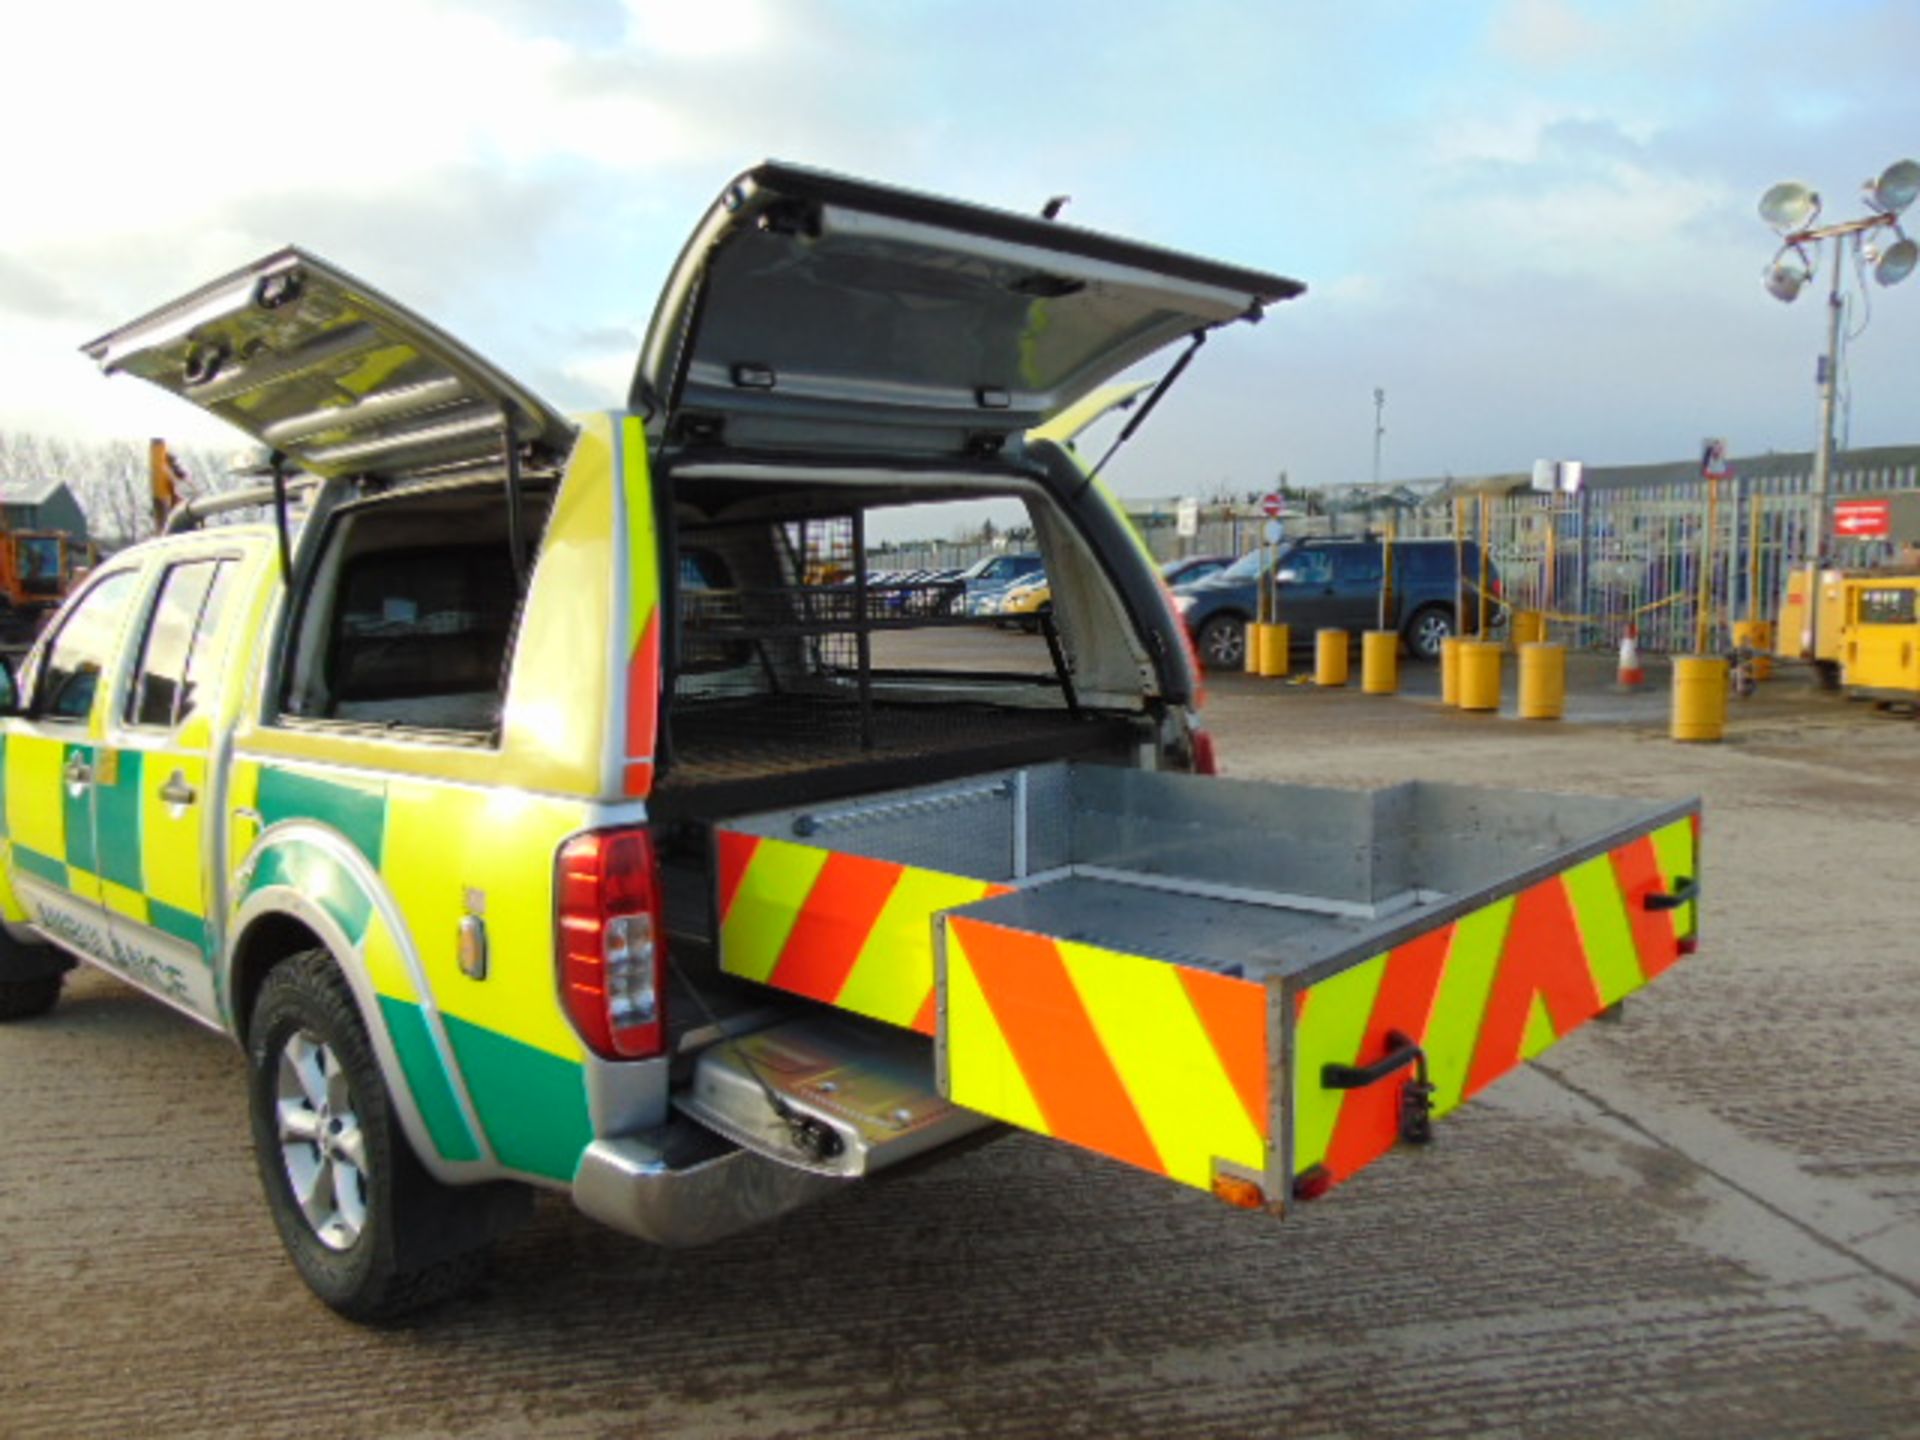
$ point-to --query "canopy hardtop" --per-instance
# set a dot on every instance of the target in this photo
(808, 313)
(812, 311)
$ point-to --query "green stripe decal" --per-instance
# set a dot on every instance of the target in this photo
(1457, 1010)
(359, 813)
(1330, 1031)
(321, 878)
(427, 1080)
(181, 924)
(1605, 932)
(532, 1105)
(43, 867)
(78, 812)
(117, 820)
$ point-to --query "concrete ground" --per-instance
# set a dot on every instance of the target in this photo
(1702, 1222)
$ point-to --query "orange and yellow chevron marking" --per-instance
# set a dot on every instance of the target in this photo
(643, 611)
(1160, 1066)
(1495, 987)
(853, 932)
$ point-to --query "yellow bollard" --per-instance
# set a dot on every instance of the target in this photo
(1699, 697)
(1479, 675)
(1450, 670)
(1250, 646)
(1543, 681)
(1274, 640)
(1529, 628)
(1380, 662)
(1330, 658)
(1757, 636)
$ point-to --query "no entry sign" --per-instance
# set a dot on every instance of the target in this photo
(1862, 519)
(1271, 505)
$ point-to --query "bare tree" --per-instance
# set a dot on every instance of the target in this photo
(109, 478)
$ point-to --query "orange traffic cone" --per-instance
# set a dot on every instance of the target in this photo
(1632, 677)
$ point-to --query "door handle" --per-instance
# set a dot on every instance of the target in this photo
(177, 791)
(78, 773)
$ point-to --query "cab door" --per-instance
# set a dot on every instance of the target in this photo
(1357, 571)
(53, 761)
(154, 823)
(1304, 594)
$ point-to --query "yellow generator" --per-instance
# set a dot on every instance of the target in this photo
(1880, 635)
(1797, 638)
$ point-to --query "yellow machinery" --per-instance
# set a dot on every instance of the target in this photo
(1880, 635)
(1805, 588)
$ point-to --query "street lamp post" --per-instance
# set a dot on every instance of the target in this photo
(1379, 430)
(1790, 208)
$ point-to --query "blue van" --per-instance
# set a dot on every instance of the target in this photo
(1322, 583)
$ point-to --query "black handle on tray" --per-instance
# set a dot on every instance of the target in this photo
(1684, 893)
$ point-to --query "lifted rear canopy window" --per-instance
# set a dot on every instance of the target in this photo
(813, 311)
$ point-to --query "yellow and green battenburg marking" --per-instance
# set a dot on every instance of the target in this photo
(530, 1100)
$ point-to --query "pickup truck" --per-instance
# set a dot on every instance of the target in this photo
(535, 803)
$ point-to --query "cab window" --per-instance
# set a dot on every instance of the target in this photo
(1309, 567)
(81, 650)
(1357, 565)
(169, 684)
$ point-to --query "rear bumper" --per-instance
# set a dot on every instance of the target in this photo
(681, 1187)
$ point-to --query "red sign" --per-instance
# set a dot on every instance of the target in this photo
(1861, 518)
(1273, 505)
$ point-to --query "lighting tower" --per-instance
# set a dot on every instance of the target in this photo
(1791, 208)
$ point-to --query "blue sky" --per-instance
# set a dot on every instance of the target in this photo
(1531, 221)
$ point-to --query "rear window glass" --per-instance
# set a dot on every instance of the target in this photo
(422, 622)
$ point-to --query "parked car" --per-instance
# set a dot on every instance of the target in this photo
(1192, 568)
(1324, 582)
(988, 578)
(1022, 603)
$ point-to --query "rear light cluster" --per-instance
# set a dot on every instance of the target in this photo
(611, 943)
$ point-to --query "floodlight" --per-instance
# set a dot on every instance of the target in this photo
(1789, 206)
(1896, 189)
(1784, 277)
(1896, 261)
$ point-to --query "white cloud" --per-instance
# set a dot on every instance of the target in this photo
(1545, 32)
(681, 30)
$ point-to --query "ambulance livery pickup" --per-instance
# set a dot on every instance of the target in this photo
(571, 803)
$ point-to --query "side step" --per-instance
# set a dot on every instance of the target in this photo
(826, 1094)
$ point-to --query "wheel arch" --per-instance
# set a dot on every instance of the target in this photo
(277, 920)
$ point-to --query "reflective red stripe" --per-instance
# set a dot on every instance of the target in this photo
(1543, 956)
(1636, 867)
(833, 924)
(1369, 1120)
(736, 854)
(1046, 1027)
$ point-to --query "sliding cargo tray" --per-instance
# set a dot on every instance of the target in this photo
(1250, 988)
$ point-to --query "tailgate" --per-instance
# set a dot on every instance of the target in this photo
(1249, 988)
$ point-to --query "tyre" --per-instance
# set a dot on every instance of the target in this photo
(370, 1231)
(24, 999)
(1430, 625)
(30, 978)
(1222, 642)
